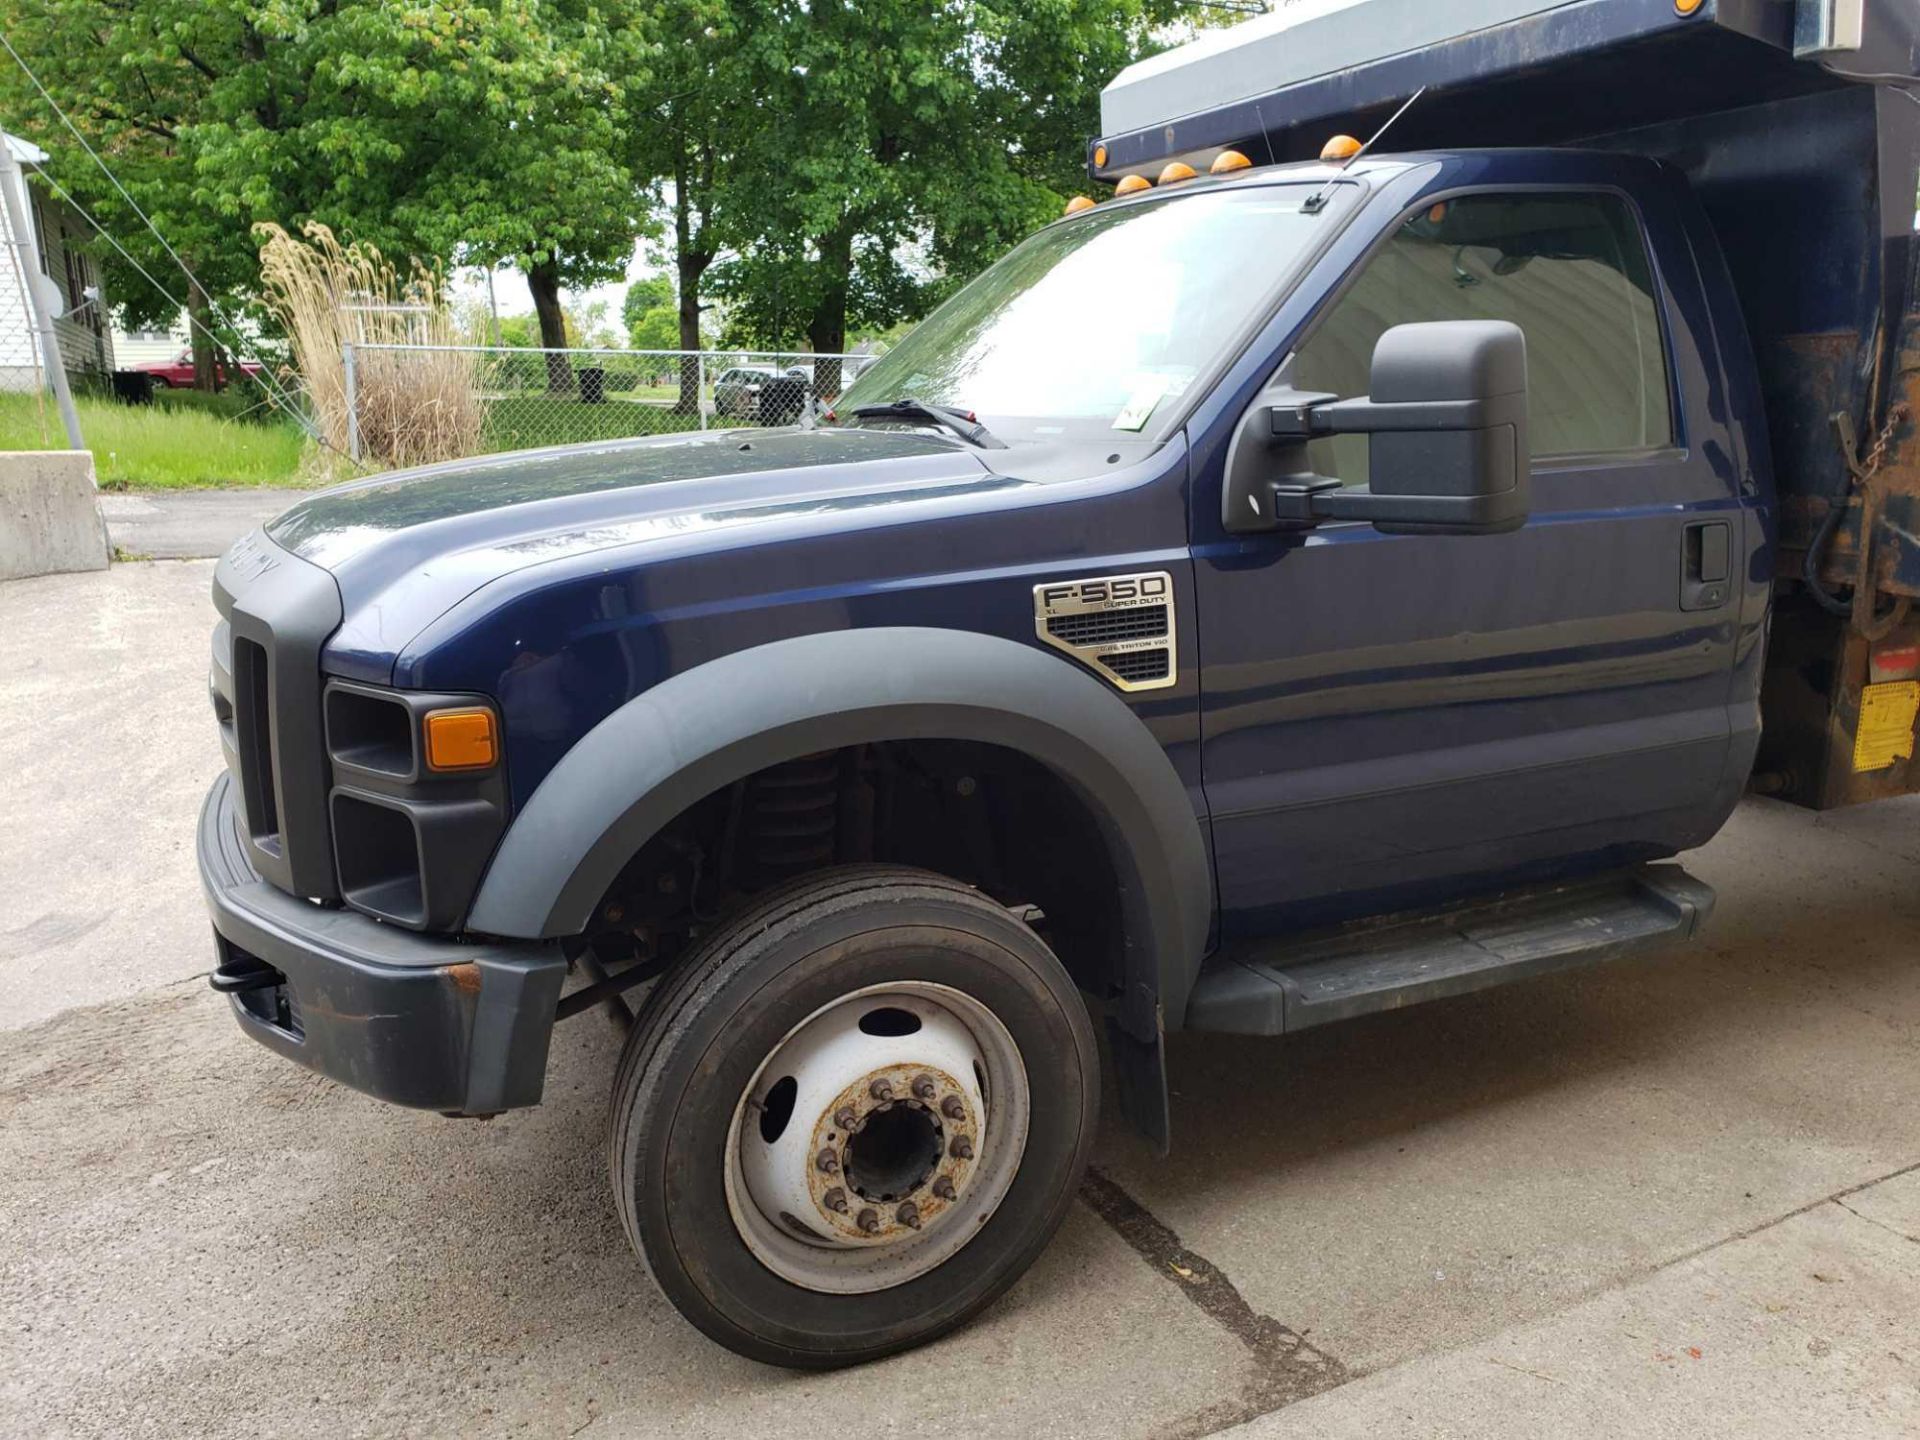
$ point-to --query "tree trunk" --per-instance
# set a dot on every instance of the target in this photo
(543, 280)
(691, 265)
(690, 261)
(827, 328)
(200, 331)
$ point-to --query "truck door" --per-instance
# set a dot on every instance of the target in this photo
(1389, 717)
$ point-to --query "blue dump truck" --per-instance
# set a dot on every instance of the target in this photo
(1312, 580)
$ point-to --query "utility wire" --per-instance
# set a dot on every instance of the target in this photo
(94, 155)
(272, 387)
(274, 391)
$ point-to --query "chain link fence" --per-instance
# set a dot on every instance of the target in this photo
(23, 375)
(479, 400)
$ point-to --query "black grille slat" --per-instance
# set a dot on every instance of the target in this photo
(1137, 666)
(1109, 627)
(253, 738)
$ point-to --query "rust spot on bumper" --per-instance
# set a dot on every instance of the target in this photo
(465, 977)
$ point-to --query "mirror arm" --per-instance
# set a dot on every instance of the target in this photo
(1305, 416)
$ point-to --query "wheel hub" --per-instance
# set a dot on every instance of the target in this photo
(884, 1162)
(869, 1146)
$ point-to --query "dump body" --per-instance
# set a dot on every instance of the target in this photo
(1798, 126)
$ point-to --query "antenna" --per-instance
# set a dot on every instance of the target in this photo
(1317, 201)
(1266, 136)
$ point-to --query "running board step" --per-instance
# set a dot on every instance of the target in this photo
(1274, 987)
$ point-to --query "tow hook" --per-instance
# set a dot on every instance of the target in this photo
(244, 973)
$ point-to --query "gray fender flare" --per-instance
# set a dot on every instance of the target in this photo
(705, 728)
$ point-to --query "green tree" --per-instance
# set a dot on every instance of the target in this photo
(522, 332)
(905, 144)
(655, 329)
(650, 292)
(453, 129)
(687, 126)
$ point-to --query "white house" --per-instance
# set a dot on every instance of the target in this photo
(83, 328)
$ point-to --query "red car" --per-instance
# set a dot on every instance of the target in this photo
(177, 373)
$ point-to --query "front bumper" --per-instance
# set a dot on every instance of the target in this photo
(419, 1020)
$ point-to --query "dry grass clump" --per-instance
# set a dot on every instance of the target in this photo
(414, 406)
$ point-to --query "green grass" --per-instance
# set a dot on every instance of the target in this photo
(524, 422)
(652, 392)
(166, 446)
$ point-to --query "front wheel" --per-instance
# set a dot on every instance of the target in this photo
(853, 1117)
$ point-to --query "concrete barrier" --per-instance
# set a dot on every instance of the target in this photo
(49, 514)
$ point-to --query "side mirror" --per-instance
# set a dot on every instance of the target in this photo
(1446, 421)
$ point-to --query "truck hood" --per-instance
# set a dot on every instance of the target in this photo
(405, 548)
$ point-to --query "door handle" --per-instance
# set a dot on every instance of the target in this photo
(1706, 564)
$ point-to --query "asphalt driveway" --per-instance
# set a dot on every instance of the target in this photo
(1678, 1195)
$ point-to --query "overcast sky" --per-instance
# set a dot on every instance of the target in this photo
(511, 293)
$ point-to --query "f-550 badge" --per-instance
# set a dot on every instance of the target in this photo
(1121, 625)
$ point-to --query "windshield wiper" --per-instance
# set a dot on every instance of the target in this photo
(961, 422)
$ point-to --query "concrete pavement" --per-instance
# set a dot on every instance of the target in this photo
(1517, 1213)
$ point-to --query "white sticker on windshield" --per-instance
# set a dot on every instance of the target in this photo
(1134, 413)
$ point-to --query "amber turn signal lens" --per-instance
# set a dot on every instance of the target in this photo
(1340, 147)
(461, 740)
(1227, 161)
(1176, 172)
(1132, 185)
(1077, 204)
(1687, 7)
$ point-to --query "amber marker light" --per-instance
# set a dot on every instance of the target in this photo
(1132, 185)
(1228, 161)
(1077, 204)
(1177, 171)
(461, 740)
(1687, 7)
(1340, 147)
(1099, 157)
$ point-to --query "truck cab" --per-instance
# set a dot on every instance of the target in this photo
(1298, 585)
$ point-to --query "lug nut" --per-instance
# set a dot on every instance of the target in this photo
(844, 1117)
(908, 1215)
(826, 1162)
(943, 1187)
(954, 1108)
(881, 1090)
(869, 1220)
(923, 1087)
(835, 1200)
(961, 1148)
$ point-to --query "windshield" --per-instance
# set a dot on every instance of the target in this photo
(1104, 321)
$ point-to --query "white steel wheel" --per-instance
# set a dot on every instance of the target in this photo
(877, 1138)
(852, 1116)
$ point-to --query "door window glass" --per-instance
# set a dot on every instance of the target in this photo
(1570, 270)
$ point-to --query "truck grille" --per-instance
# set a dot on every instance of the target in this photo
(253, 744)
(276, 613)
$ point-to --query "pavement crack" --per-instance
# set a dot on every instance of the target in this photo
(1286, 1368)
(1890, 1229)
(1747, 1233)
(1523, 1370)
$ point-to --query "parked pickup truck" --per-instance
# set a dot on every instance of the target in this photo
(1287, 589)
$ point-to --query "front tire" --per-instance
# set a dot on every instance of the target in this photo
(853, 1116)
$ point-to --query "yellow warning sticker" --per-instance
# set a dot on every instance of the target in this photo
(1886, 724)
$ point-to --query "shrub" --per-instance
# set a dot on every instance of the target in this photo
(412, 406)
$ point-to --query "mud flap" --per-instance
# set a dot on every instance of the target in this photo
(1140, 1067)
